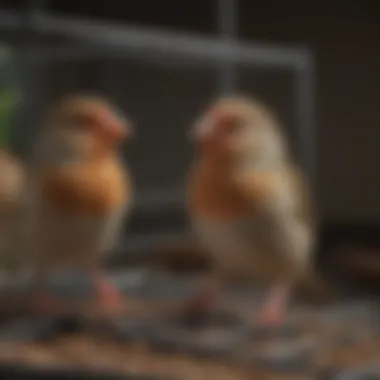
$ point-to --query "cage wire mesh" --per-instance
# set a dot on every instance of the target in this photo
(162, 81)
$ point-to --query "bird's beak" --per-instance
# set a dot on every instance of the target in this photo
(117, 131)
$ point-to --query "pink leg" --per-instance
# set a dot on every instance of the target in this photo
(109, 299)
(272, 312)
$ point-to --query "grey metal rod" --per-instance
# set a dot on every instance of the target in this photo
(157, 42)
(148, 43)
(227, 19)
(305, 103)
(30, 74)
(227, 22)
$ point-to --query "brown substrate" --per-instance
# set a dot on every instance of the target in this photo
(315, 344)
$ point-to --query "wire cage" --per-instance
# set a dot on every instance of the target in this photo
(162, 80)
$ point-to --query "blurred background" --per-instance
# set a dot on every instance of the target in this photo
(316, 63)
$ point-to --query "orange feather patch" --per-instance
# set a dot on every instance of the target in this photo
(88, 188)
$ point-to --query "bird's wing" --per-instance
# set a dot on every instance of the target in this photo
(280, 207)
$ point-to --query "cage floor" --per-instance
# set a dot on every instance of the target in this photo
(336, 341)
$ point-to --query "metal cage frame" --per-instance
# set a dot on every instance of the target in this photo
(222, 52)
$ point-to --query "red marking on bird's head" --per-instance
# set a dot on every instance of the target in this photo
(100, 120)
(108, 124)
(217, 122)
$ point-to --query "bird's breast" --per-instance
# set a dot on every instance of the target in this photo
(231, 243)
(232, 235)
(87, 189)
(213, 196)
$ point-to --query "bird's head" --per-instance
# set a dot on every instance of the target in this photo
(239, 127)
(82, 127)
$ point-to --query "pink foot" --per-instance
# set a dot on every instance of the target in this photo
(273, 311)
(109, 299)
